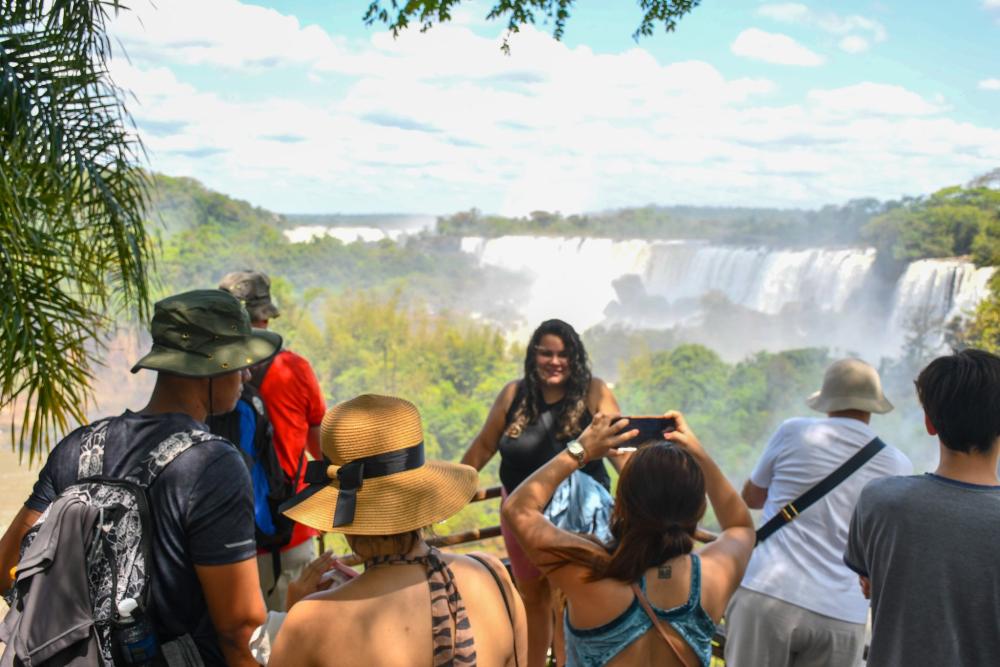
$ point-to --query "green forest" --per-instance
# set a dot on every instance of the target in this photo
(397, 318)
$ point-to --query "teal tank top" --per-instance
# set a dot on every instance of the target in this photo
(596, 646)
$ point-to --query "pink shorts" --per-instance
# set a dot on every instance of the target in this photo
(519, 563)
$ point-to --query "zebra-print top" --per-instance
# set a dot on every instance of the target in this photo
(451, 649)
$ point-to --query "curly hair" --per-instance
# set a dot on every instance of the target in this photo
(529, 390)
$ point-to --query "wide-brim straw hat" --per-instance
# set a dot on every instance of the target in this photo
(850, 384)
(382, 435)
(204, 333)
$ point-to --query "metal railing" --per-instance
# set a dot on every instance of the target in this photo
(455, 539)
(491, 532)
(476, 534)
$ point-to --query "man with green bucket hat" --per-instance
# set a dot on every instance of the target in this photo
(203, 592)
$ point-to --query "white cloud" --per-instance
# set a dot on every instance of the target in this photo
(857, 32)
(774, 48)
(789, 12)
(405, 125)
(991, 4)
(990, 84)
(224, 33)
(873, 99)
(854, 44)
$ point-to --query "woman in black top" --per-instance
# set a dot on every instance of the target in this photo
(530, 422)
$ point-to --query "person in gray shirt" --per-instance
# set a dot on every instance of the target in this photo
(926, 547)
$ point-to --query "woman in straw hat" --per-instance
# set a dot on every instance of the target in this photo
(412, 605)
(644, 598)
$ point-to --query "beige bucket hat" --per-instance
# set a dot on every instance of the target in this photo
(253, 288)
(850, 384)
(375, 480)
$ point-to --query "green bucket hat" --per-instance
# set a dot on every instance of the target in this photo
(203, 333)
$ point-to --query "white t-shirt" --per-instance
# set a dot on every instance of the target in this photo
(802, 563)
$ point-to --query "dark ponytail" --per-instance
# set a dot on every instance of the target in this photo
(661, 498)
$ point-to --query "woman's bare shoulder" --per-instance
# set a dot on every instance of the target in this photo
(509, 391)
(600, 397)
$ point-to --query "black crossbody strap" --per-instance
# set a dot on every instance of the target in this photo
(788, 513)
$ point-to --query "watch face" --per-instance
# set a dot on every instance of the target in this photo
(576, 449)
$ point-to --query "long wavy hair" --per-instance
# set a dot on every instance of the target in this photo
(529, 392)
(660, 500)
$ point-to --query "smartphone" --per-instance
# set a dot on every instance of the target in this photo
(337, 574)
(651, 429)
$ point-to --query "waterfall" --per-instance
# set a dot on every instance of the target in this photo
(932, 292)
(571, 278)
(306, 233)
(761, 279)
(583, 280)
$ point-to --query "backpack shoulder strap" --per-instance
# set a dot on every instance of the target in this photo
(258, 372)
(92, 449)
(146, 472)
(823, 487)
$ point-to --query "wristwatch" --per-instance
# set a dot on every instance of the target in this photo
(576, 449)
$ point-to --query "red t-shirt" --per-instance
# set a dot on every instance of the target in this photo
(294, 403)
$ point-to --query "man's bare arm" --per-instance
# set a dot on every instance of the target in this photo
(313, 444)
(10, 543)
(753, 495)
(235, 605)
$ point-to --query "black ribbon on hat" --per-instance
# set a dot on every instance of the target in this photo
(351, 477)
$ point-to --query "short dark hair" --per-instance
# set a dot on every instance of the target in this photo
(961, 395)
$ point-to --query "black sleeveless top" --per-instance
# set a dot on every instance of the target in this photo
(523, 455)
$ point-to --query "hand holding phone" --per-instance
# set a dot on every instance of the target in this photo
(651, 430)
(337, 574)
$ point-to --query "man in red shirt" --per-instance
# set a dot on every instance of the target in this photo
(295, 407)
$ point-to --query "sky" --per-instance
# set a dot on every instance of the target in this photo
(298, 107)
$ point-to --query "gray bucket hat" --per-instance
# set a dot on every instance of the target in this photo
(204, 333)
(850, 384)
(253, 288)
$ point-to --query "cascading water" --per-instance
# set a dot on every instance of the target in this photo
(306, 233)
(576, 278)
(759, 278)
(571, 278)
(932, 292)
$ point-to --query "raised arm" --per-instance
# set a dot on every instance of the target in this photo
(484, 445)
(726, 558)
(601, 399)
(523, 508)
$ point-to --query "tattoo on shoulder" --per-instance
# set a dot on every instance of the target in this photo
(664, 571)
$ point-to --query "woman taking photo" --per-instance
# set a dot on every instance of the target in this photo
(645, 598)
(413, 606)
(530, 422)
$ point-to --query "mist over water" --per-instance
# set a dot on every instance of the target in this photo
(830, 297)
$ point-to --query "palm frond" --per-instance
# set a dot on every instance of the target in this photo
(73, 248)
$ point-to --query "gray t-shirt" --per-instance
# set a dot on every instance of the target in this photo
(931, 547)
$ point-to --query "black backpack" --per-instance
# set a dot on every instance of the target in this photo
(112, 516)
(280, 486)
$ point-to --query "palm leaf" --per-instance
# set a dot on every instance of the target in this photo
(73, 249)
